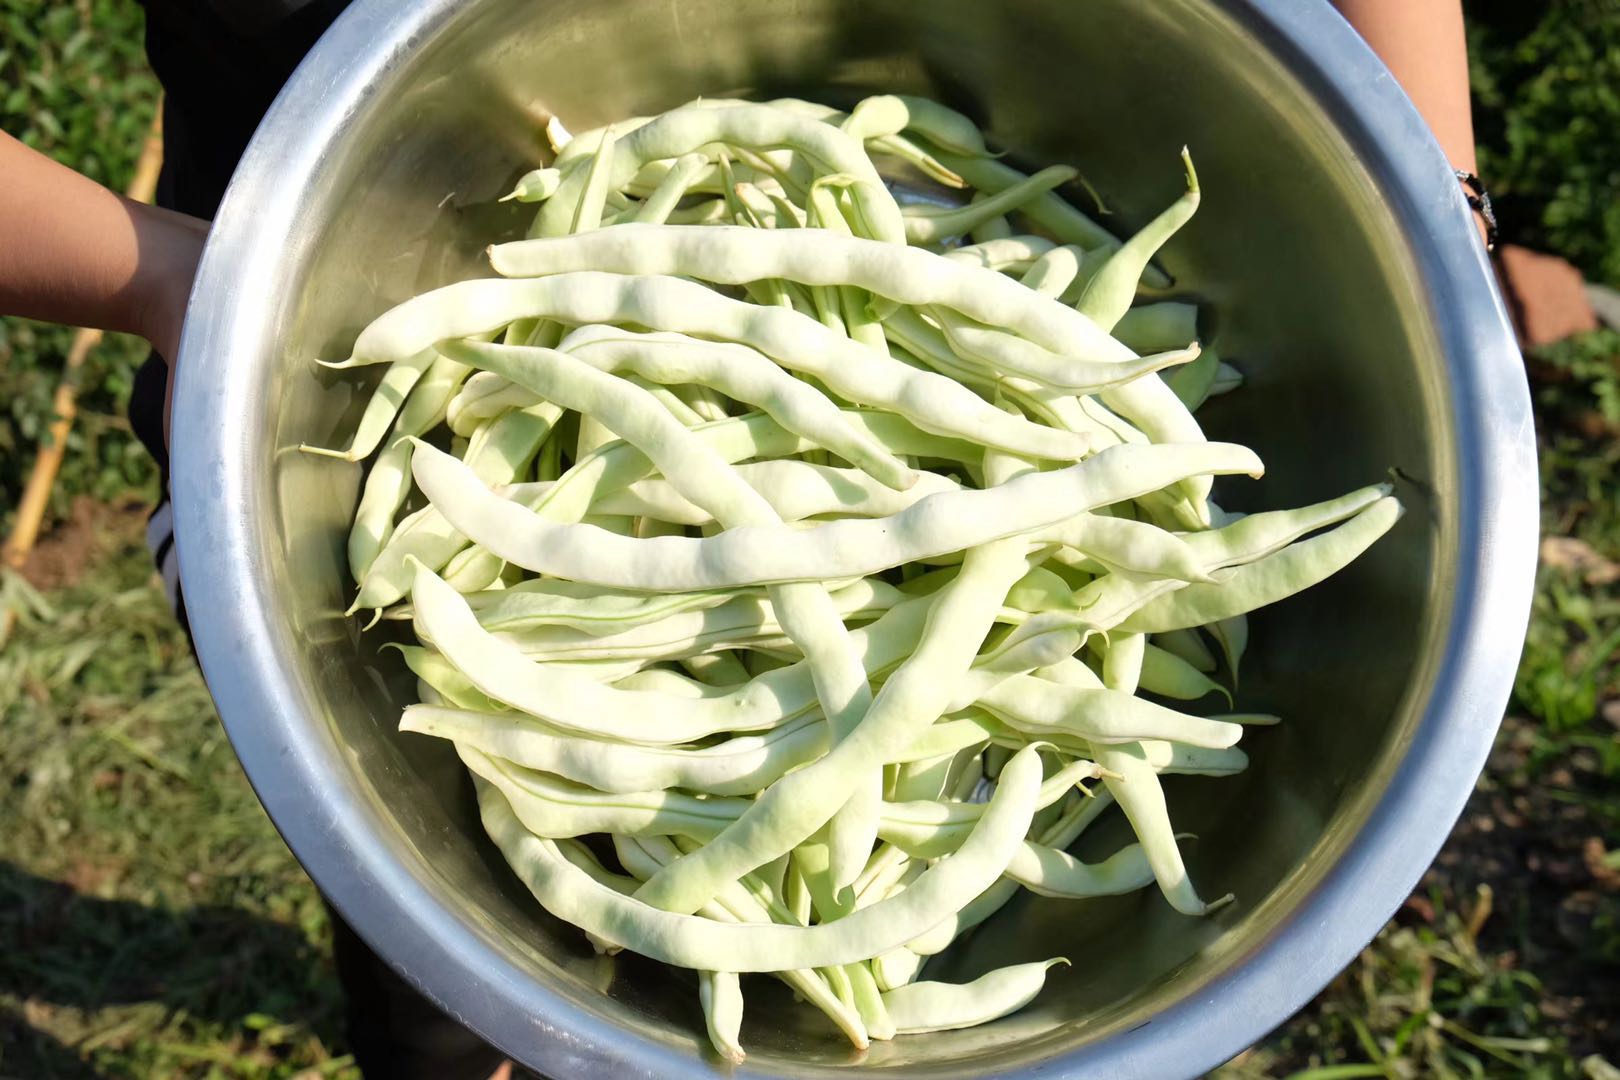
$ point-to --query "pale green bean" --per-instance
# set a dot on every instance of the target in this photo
(387, 486)
(686, 130)
(572, 895)
(927, 224)
(946, 522)
(744, 374)
(1053, 272)
(1278, 574)
(1100, 717)
(1110, 293)
(720, 995)
(794, 807)
(556, 808)
(1008, 253)
(383, 406)
(851, 370)
(933, 1006)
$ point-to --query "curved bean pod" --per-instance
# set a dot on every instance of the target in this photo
(1189, 646)
(1168, 675)
(943, 126)
(882, 114)
(558, 809)
(442, 676)
(1111, 291)
(1129, 545)
(1054, 271)
(430, 398)
(1067, 223)
(387, 486)
(658, 205)
(946, 522)
(384, 405)
(1100, 717)
(500, 670)
(1004, 353)
(1183, 759)
(869, 1001)
(1273, 577)
(1192, 382)
(1046, 871)
(930, 224)
(1005, 253)
(683, 131)
(927, 828)
(551, 602)
(746, 375)
(572, 895)
(897, 967)
(797, 805)
(536, 185)
(1152, 327)
(934, 1006)
(745, 621)
(720, 995)
(795, 489)
(1110, 600)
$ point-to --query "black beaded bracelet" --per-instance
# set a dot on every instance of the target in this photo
(1480, 200)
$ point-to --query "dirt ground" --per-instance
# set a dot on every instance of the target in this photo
(63, 556)
(1541, 845)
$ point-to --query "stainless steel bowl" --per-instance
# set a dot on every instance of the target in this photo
(1345, 278)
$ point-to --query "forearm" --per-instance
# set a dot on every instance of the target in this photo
(1423, 43)
(73, 252)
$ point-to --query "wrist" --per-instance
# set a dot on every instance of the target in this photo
(170, 246)
(1479, 200)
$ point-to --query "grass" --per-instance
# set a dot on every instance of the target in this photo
(153, 924)
(73, 84)
(152, 921)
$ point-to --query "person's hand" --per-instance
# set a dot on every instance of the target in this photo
(73, 252)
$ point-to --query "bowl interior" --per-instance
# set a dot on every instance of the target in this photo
(1311, 292)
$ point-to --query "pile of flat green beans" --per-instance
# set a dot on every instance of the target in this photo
(800, 569)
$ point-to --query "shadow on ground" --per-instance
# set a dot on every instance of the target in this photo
(61, 950)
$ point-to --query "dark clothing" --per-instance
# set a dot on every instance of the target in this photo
(221, 63)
